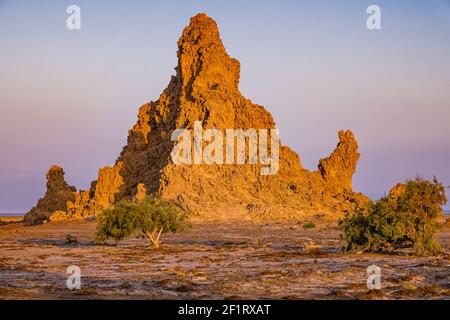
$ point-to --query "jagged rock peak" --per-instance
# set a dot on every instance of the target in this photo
(339, 167)
(56, 181)
(205, 89)
(59, 192)
(203, 64)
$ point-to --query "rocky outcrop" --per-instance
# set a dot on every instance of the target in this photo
(396, 191)
(141, 192)
(206, 88)
(55, 199)
(339, 167)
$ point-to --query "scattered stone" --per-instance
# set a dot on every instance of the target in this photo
(71, 239)
(374, 294)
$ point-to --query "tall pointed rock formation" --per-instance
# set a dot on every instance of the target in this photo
(55, 199)
(206, 88)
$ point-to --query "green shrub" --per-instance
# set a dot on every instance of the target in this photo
(150, 217)
(309, 225)
(406, 217)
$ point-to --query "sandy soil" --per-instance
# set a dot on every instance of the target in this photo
(213, 261)
(7, 219)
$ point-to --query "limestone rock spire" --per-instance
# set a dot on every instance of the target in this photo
(339, 167)
(59, 192)
(203, 64)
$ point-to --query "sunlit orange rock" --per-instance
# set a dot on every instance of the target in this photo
(206, 88)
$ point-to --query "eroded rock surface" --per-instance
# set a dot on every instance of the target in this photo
(206, 88)
(55, 199)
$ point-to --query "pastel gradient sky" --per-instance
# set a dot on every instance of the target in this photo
(69, 97)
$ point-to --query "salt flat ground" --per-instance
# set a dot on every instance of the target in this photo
(214, 261)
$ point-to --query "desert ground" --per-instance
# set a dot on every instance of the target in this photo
(228, 260)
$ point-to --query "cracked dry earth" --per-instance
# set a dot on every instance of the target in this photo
(214, 261)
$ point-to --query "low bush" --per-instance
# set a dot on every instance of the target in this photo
(309, 225)
(406, 217)
(149, 217)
